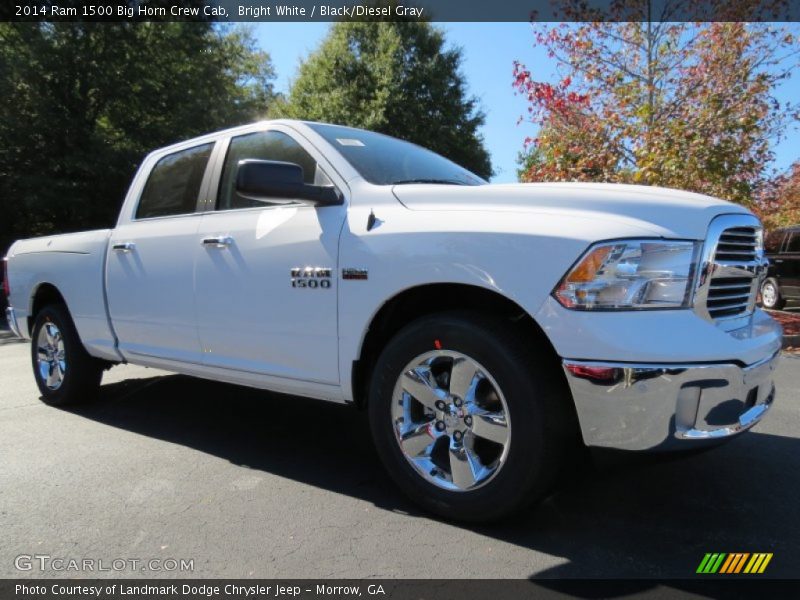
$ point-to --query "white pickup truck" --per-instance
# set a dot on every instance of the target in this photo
(486, 328)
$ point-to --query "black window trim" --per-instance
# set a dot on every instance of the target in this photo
(209, 201)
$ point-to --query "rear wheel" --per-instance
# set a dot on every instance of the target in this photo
(64, 371)
(470, 422)
(771, 295)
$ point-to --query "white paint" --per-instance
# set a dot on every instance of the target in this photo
(269, 220)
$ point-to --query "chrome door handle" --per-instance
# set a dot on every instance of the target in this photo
(123, 246)
(220, 241)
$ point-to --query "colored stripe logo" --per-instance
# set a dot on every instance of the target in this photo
(734, 563)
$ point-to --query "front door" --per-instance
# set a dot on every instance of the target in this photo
(266, 273)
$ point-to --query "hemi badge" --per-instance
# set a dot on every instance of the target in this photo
(355, 274)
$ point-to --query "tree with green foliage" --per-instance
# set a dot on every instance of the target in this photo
(84, 103)
(396, 78)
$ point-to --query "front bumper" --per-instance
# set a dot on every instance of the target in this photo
(11, 317)
(662, 407)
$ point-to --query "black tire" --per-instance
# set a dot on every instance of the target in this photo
(81, 377)
(539, 409)
(779, 301)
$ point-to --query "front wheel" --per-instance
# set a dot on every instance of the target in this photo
(470, 422)
(64, 371)
(770, 295)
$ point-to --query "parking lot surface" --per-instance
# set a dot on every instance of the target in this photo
(251, 484)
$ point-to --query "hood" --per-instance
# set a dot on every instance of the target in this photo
(660, 211)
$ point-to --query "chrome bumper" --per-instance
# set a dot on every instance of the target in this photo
(662, 407)
(12, 321)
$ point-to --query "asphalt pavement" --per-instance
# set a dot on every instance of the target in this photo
(249, 484)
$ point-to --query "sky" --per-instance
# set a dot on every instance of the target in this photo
(489, 51)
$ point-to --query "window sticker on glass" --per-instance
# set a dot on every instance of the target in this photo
(349, 142)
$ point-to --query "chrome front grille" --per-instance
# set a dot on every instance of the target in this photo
(731, 268)
(729, 296)
(737, 244)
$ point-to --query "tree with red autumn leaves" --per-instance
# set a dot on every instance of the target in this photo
(686, 105)
(778, 200)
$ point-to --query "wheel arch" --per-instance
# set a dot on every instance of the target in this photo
(43, 294)
(426, 299)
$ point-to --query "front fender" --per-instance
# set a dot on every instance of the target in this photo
(520, 256)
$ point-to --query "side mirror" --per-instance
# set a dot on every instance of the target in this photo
(268, 180)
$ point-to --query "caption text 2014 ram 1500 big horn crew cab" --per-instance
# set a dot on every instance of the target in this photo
(484, 327)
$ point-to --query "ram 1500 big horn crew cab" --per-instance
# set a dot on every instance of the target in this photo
(485, 328)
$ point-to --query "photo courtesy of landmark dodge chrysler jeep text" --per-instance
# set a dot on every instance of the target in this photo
(485, 328)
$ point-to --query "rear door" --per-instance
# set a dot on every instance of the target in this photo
(150, 269)
(266, 272)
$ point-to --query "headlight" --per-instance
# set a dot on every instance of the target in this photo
(631, 274)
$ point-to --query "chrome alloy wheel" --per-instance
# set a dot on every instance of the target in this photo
(769, 295)
(451, 420)
(50, 357)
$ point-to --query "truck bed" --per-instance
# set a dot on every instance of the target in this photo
(75, 264)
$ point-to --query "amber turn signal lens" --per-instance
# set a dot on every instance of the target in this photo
(587, 269)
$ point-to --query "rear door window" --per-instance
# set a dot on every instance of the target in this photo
(174, 183)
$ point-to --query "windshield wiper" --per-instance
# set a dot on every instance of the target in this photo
(439, 181)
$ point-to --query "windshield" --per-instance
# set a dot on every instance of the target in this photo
(385, 160)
